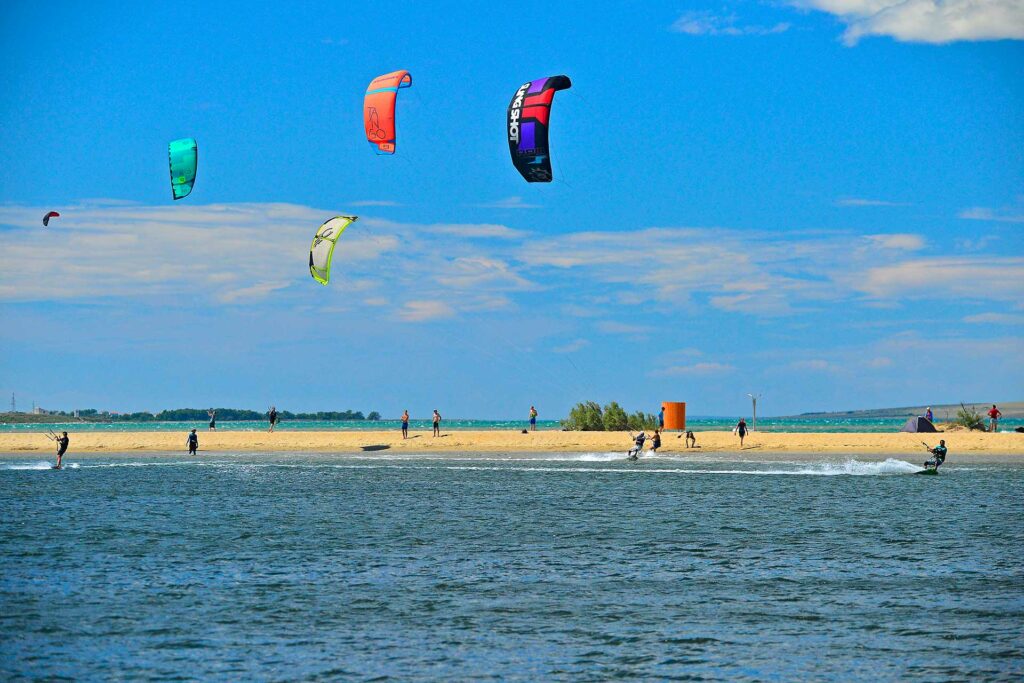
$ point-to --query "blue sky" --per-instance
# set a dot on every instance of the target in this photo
(820, 201)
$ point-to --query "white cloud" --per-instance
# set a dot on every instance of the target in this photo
(475, 272)
(612, 327)
(995, 319)
(814, 364)
(421, 311)
(703, 23)
(508, 203)
(374, 202)
(572, 347)
(857, 201)
(981, 213)
(899, 241)
(991, 278)
(484, 230)
(926, 21)
(700, 369)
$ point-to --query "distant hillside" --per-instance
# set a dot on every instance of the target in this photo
(1013, 409)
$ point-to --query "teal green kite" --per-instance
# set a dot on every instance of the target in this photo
(184, 156)
(322, 250)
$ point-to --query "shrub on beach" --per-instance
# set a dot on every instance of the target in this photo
(590, 417)
(969, 418)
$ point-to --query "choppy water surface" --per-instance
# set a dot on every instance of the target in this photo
(541, 567)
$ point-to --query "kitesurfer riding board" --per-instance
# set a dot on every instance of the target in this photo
(638, 445)
(939, 453)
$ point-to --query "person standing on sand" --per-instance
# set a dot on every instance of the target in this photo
(405, 424)
(193, 442)
(741, 429)
(62, 448)
(691, 438)
(656, 441)
(272, 416)
(213, 419)
(661, 418)
(993, 418)
(533, 419)
(437, 423)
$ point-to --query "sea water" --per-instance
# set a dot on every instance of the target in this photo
(509, 567)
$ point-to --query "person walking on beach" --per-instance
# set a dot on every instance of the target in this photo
(940, 455)
(993, 418)
(213, 419)
(62, 447)
(405, 424)
(741, 429)
(691, 439)
(193, 442)
(533, 419)
(272, 415)
(928, 414)
(656, 441)
(437, 423)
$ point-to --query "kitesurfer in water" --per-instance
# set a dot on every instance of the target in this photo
(940, 455)
(405, 424)
(272, 416)
(437, 423)
(193, 442)
(638, 445)
(213, 419)
(62, 447)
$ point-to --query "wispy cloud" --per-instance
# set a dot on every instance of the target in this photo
(705, 23)
(900, 241)
(508, 203)
(926, 21)
(858, 201)
(484, 230)
(421, 311)
(573, 346)
(995, 318)
(982, 213)
(993, 278)
(374, 202)
(702, 369)
(613, 327)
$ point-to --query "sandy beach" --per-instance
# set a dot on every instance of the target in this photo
(959, 443)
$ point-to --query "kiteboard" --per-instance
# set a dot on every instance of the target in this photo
(930, 470)
(55, 467)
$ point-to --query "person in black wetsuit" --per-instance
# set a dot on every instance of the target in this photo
(940, 455)
(193, 442)
(62, 448)
(213, 419)
(741, 429)
(272, 416)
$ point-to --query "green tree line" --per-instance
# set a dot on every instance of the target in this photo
(590, 417)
